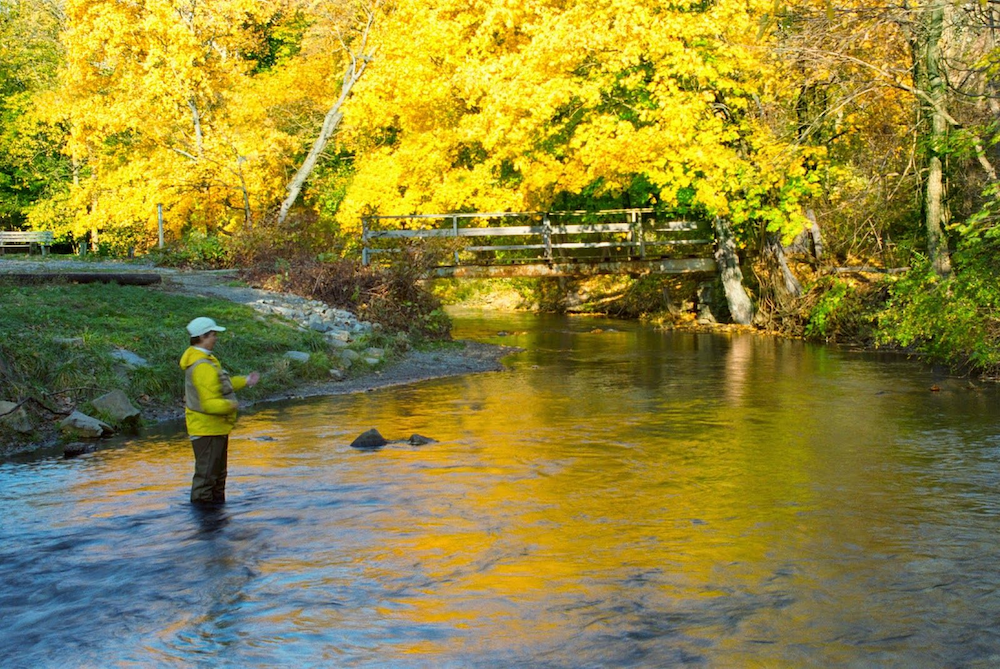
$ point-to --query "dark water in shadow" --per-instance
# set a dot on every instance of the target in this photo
(624, 498)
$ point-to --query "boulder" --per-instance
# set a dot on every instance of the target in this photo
(116, 406)
(373, 352)
(130, 359)
(369, 439)
(420, 440)
(336, 374)
(85, 427)
(349, 354)
(298, 356)
(15, 417)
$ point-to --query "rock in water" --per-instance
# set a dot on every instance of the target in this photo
(78, 448)
(420, 440)
(369, 439)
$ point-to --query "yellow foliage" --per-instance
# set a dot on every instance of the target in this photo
(503, 105)
(177, 103)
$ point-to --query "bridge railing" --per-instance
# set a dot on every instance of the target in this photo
(532, 237)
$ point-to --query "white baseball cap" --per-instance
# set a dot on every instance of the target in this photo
(203, 325)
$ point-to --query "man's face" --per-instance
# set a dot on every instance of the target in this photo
(208, 341)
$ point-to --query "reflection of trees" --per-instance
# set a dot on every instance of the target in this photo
(639, 493)
(739, 357)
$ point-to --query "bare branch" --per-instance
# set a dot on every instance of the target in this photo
(913, 90)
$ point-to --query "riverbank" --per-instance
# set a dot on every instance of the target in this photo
(62, 341)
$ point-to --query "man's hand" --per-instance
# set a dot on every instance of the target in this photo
(252, 379)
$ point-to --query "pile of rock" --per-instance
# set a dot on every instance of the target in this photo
(339, 327)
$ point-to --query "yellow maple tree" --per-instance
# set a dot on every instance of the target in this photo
(200, 106)
(497, 105)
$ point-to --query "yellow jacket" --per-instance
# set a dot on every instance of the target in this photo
(209, 394)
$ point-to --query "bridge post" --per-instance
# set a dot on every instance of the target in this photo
(547, 235)
(454, 229)
(364, 241)
(637, 236)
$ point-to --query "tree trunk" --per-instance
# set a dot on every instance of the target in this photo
(740, 307)
(817, 235)
(928, 64)
(788, 281)
(199, 138)
(358, 62)
(330, 124)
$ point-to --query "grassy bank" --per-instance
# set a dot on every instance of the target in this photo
(57, 343)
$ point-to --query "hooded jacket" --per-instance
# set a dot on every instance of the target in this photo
(209, 394)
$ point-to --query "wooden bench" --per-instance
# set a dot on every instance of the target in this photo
(26, 239)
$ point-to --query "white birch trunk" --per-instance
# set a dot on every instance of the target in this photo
(740, 307)
(356, 68)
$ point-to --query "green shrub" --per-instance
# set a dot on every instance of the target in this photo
(951, 320)
(839, 310)
(196, 250)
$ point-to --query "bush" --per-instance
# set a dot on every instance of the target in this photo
(950, 320)
(196, 250)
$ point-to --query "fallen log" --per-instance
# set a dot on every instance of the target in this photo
(124, 279)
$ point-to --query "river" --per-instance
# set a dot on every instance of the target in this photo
(620, 497)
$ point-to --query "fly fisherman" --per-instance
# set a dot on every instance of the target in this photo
(210, 410)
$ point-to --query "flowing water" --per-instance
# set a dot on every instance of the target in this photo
(618, 497)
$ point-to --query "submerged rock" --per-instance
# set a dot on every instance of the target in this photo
(369, 439)
(78, 448)
(372, 439)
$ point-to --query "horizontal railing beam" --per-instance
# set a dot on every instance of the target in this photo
(512, 214)
(557, 269)
(523, 230)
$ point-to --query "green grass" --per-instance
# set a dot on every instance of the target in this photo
(147, 322)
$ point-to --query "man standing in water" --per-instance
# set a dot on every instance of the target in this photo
(210, 410)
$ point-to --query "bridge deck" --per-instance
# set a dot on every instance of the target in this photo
(547, 244)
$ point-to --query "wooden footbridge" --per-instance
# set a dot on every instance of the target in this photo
(546, 244)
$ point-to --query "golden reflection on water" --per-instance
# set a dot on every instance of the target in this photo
(620, 498)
